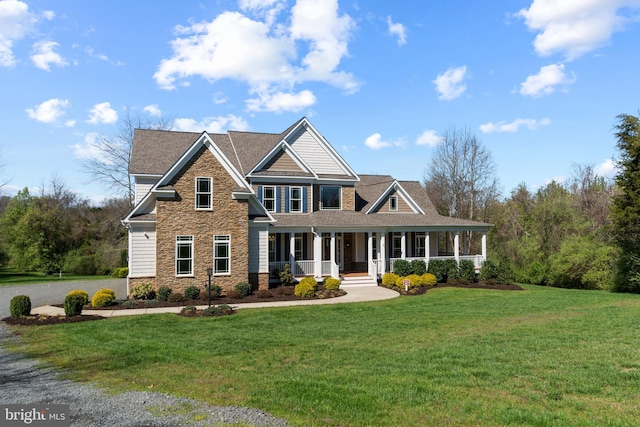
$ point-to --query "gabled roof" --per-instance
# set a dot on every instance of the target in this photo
(395, 187)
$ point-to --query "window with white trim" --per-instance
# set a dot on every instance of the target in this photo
(269, 198)
(420, 244)
(330, 197)
(393, 203)
(396, 245)
(184, 255)
(222, 254)
(203, 193)
(295, 199)
(297, 249)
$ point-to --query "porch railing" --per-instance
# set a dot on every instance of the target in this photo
(301, 267)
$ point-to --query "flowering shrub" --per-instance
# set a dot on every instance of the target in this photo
(389, 279)
(306, 288)
(103, 298)
(143, 291)
(331, 284)
(82, 294)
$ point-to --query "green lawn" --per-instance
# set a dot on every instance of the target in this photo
(541, 357)
(12, 277)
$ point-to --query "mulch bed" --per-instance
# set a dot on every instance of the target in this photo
(275, 295)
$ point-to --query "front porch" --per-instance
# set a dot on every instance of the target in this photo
(333, 253)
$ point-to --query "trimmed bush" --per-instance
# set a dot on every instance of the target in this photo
(218, 310)
(263, 293)
(244, 289)
(234, 294)
(467, 270)
(453, 270)
(414, 281)
(176, 297)
(402, 267)
(488, 271)
(216, 291)
(120, 273)
(80, 293)
(143, 291)
(192, 292)
(20, 306)
(389, 279)
(163, 293)
(304, 290)
(332, 284)
(103, 298)
(73, 305)
(189, 309)
(428, 279)
(438, 268)
(418, 266)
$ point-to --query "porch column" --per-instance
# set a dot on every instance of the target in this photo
(317, 254)
(292, 252)
(335, 271)
(427, 248)
(456, 246)
(403, 245)
(484, 246)
(383, 252)
(370, 269)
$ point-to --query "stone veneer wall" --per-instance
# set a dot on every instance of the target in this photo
(348, 198)
(179, 217)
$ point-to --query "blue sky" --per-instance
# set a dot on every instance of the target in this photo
(539, 82)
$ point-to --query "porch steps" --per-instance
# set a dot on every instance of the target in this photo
(357, 281)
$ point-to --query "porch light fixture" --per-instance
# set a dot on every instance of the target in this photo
(209, 273)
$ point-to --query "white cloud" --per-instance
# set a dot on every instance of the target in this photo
(607, 169)
(263, 53)
(546, 81)
(44, 55)
(449, 85)
(576, 27)
(90, 148)
(16, 21)
(49, 111)
(280, 101)
(93, 54)
(429, 137)
(102, 113)
(218, 124)
(398, 30)
(375, 142)
(153, 110)
(514, 126)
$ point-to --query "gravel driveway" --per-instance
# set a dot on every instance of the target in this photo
(25, 381)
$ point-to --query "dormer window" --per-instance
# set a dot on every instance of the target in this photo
(330, 197)
(204, 193)
(393, 203)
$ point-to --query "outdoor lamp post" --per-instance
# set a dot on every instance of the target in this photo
(209, 273)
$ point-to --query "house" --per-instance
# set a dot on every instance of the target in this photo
(245, 204)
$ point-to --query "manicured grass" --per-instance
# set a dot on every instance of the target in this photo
(12, 277)
(538, 357)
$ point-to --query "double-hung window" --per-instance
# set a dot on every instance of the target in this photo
(203, 193)
(330, 197)
(222, 254)
(393, 203)
(184, 255)
(420, 244)
(295, 199)
(396, 245)
(269, 198)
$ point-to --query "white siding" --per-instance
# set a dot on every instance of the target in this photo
(143, 251)
(258, 249)
(315, 155)
(142, 187)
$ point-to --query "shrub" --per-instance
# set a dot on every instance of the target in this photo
(453, 270)
(286, 278)
(216, 291)
(418, 266)
(103, 298)
(332, 284)
(73, 305)
(389, 279)
(163, 293)
(488, 271)
(83, 294)
(143, 291)
(402, 267)
(120, 273)
(192, 292)
(304, 289)
(176, 297)
(219, 310)
(244, 289)
(20, 306)
(234, 294)
(428, 279)
(263, 293)
(467, 270)
(414, 281)
(438, 268)
(188, 309)
(283, 290)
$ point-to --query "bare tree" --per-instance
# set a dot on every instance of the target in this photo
(461, 178)
(110, 165)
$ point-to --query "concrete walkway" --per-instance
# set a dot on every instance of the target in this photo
(354, 294)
